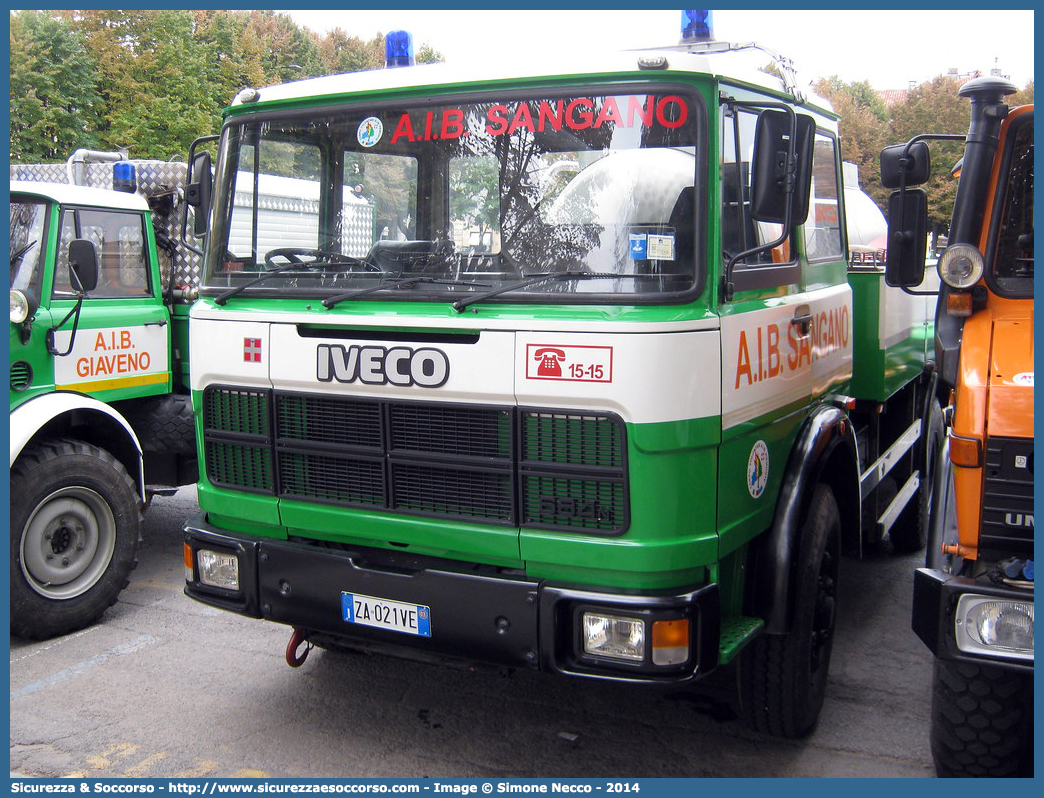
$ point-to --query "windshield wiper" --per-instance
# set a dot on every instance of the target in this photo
(222, 298)
(17, 256)
(401, 282)
(460, 304)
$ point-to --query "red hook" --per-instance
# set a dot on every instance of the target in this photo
(293, 659)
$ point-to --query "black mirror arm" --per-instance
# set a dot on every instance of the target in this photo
(75, 312)
(728, 288)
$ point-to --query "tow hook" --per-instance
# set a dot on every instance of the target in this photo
(293, 659)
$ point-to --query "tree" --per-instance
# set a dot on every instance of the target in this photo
(1022, 97)
(340, 52)
(55, 105)
(287, 51)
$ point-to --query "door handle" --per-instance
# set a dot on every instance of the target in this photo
(802, 319)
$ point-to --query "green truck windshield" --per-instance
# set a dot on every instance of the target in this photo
(463, 200)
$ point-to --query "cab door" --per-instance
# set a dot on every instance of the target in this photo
(118, 345)
(774, 359)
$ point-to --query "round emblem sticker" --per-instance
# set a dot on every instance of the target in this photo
(370, 131)
(1025, 378)
(758, 469)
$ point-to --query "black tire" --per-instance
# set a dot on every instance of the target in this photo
(75, 524)
(909, 533)
(982, 721)
(783, 677)
(163, 423)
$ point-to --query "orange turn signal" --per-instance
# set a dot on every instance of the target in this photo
(965, 452)
(670, 642)
(959, 304)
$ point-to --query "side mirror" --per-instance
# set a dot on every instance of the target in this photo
(769, 167)
(907, 223)
(83, 265)
(198, 191)
(917, 164)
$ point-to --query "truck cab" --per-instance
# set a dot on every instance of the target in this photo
(100, 415)
(551, 368)
(973, 602)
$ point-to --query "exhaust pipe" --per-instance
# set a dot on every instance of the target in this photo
(987, 112)
(76, 166)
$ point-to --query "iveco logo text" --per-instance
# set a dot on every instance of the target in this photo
(375, 365)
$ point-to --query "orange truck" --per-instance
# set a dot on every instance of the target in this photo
(973, 602)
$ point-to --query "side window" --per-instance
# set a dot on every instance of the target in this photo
(119, 240)
(739, 231)
(823, 225)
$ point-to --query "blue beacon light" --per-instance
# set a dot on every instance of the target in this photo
(697, 26)
(398, 49)
(123, 177)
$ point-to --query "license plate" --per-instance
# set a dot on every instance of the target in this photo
(413, 619)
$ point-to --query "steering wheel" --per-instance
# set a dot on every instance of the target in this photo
(327, 258)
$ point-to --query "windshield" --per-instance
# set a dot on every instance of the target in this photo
(1012, 273)
(27, 232)
(596, 191)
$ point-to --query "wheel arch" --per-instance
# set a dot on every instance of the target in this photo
(64, 413)
(825, 451)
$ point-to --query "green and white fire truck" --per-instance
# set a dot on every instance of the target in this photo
(101, 416)
(560, 368)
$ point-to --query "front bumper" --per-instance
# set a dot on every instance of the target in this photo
(935, 603)
(478, 614)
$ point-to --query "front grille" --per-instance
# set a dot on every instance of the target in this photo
(489, 464)
(1007, 503)
(237, 429)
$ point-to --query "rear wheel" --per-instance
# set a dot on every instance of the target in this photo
(783, 677)
(982, 721)
(75, 523)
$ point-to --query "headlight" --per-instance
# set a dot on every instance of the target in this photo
(614, 636)
(961, 266)
(996, 627)
(218, 569)
(19, 307)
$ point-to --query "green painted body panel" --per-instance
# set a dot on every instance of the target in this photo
(892, 336)
(493, 545)
(179, 355)
(241, 512)
(33, 353)
(741, 516)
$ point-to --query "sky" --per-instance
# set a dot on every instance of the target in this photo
(888, 48)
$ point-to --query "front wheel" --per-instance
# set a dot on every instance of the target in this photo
(75, 524)
(783, 676)
(982, 721)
